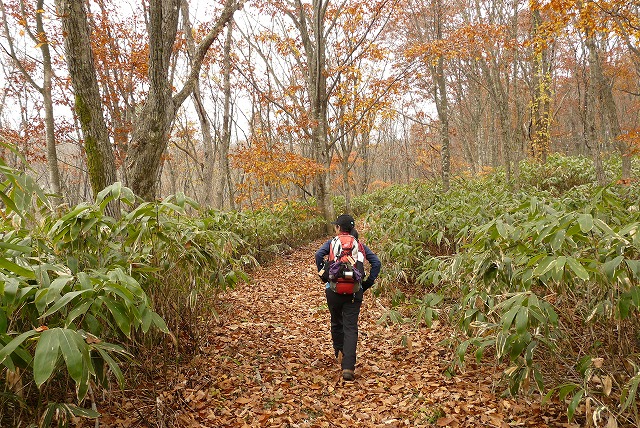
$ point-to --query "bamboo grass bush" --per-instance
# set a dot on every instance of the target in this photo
(536, 278)
(83, 292)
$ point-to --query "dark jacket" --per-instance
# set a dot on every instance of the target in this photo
(371, 257)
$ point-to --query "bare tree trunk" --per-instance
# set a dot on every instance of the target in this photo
(40, 38)
(319, 105)
(605, 95)
(590, 105)
(314, 48)
(365, 153)
(225, 176)
(152, 125)
(52, 153)
(208, 163)
(346, 141)
(501, 102)
(442, 105)
(79, 55)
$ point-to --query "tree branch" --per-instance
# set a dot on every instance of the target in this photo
(12, 53)
(230, 7)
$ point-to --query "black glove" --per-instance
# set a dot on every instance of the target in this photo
(367, 283)
(323, 273)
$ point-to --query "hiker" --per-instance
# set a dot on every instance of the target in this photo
(345, 308)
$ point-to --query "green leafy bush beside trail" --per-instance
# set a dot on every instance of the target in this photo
(540, 277)
(269, 231)
(538, 274)
(83, 292)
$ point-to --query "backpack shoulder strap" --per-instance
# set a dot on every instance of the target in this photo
(335, 247)
(358, 251)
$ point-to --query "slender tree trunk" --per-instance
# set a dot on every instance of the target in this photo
(52, 153)
(365, 153)
(442, 104)
(225, 176)
(500, 100)
(88, 104)
(314, 48)
(208, 163)
(319, 102)
(41, 39)
(593, 92)
(469, 122)
(346, 143)
(605, 96)
(540, 115)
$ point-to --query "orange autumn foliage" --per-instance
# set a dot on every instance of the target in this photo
(267, 168)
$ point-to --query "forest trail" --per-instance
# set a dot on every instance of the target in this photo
(269, 363)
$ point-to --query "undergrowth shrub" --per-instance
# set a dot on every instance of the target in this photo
(561, 173)
(272, 230)
(539, 278)
(82, 292)
(57, 307)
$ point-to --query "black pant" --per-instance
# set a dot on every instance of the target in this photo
(344, 309)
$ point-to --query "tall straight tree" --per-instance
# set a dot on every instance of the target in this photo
(208, 163)
(312, 32)
(425, 46)
(440, 96)
(607, 102)
(599, 21)
(41, 40)
(540, 123)
(225, 176)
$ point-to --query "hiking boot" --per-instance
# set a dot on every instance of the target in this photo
(348, 374)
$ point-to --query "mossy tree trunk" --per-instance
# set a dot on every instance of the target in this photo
(88, 104)
(152, 125)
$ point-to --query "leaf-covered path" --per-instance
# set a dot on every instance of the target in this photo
(269, 363)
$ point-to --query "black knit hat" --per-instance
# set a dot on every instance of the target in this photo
(346, 222)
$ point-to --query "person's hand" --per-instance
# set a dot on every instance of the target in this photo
(367, 283)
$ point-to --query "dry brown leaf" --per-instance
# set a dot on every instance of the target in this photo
(270, 364)
(607, 385)
(445, 421)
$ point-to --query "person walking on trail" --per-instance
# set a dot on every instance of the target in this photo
(345, 308)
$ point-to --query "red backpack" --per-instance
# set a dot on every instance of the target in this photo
(346, 264)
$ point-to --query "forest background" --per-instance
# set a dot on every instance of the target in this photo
(236, 106)
(313, 99)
